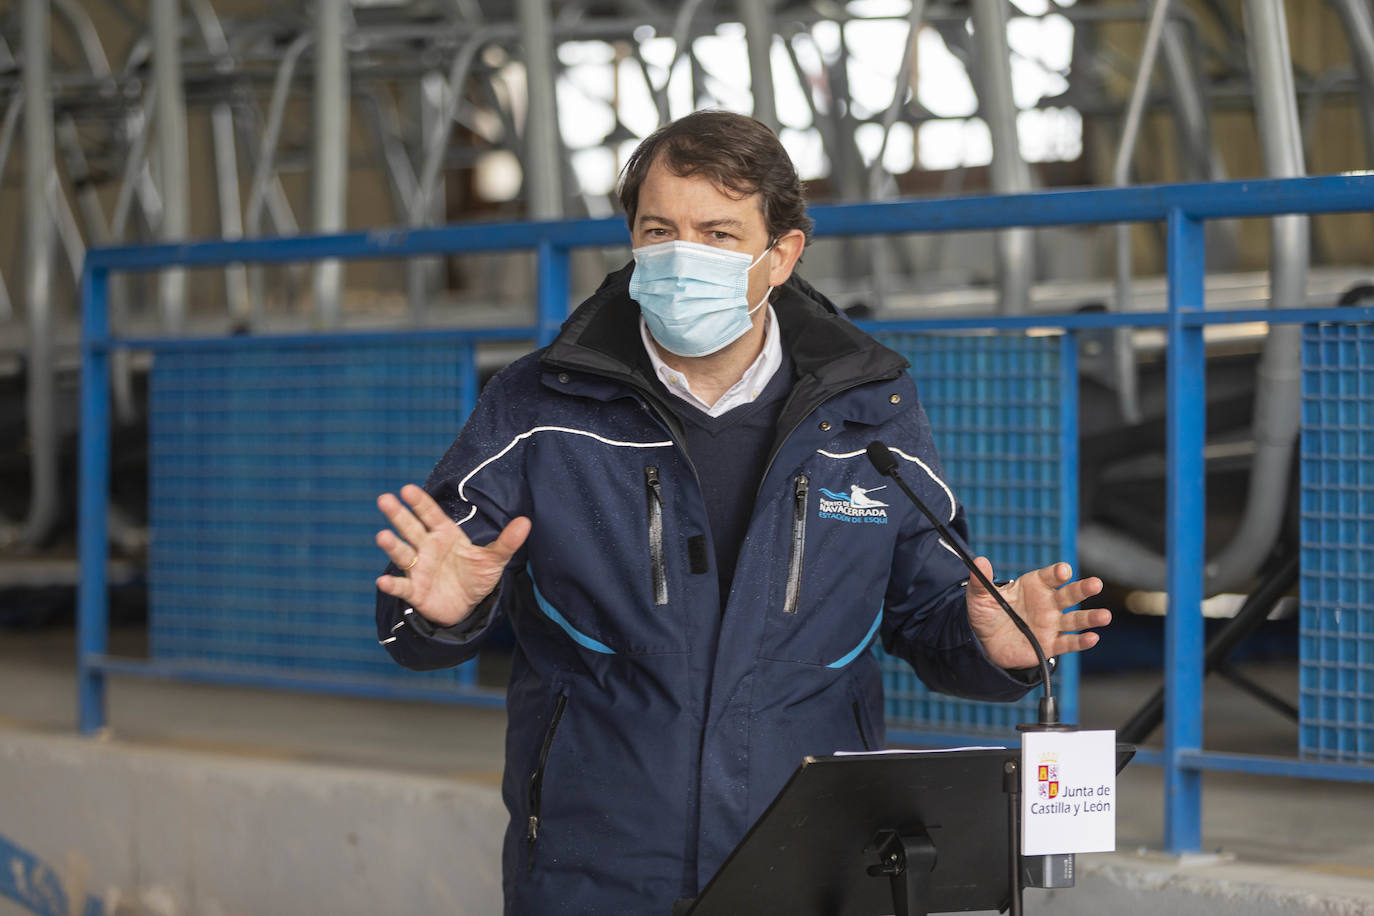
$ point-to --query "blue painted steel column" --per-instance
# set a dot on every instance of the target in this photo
(1067, 668)
(1186, 508)
(554, 288)
(92, 613)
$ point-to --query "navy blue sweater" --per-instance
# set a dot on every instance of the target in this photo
(729, 453)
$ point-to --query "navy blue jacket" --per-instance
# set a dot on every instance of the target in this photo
(647, 729)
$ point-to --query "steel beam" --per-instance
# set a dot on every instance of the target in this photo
(1123, 353)
(1201, 161)
(385, 124)
(1358, 20)
(1015, 247)
(757, 16)
(8, 127)
(264, 168)
(226, 162)
(1278, 388)
(437, 103)
(40, 185)
(424, 206)
(330, 155)
(86, 35)
(172, 154)
(904, 83)
(543, 170)
(880, 183)
(1279, 377)
(1190, 104)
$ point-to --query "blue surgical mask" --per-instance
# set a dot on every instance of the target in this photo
(694, 297)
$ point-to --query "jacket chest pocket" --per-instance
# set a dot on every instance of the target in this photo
(797, 551)
(658, 570)
(827, 608)
(609, 565)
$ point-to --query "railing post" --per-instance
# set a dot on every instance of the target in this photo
(92, 622)
(553, 287)
(1186, 525)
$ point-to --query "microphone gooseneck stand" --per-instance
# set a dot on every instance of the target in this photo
(1048, 720)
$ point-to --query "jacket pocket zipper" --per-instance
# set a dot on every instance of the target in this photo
(655, 496)
(794, 566)
(537, 780)
(863, 735)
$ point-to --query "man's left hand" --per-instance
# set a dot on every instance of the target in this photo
(1040, 597)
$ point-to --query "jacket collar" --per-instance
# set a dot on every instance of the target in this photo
(830, 355)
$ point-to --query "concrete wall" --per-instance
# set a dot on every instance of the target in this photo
(137, 831)
(1151, 885)
(165, 833)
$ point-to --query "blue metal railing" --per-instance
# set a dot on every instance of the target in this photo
(1183, 208)
(1003, 411)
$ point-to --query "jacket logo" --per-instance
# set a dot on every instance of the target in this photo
(856, 506)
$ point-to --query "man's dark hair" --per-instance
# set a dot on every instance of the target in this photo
(739, 155)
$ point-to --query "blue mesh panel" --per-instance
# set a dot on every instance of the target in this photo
(995, 407)
(1336, 645)
(264, 464)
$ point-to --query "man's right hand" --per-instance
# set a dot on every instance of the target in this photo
(443, 574)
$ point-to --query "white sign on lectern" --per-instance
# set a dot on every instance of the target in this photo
(1068, 792)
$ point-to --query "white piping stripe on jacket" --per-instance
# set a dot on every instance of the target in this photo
(396, 626)
(925, 467)
(546, 429)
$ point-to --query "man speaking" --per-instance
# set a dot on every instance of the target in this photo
(673, 507)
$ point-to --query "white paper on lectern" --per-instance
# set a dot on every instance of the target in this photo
(1068, 792)
(916, 752)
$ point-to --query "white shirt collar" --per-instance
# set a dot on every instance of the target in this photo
(745, 391)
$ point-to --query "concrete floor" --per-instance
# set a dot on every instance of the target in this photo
(1305, 832)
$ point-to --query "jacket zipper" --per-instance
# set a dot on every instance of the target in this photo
(655, 495)
(537, 780)
(863, 736)
(794, 566)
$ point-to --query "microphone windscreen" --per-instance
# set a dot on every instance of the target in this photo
(882, 458)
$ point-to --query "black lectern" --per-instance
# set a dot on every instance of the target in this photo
(942, 827)
(872, 834)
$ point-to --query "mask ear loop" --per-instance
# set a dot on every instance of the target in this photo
(767, 292)
(762, 302)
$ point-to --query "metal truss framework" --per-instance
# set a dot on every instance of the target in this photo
(438, 84)
(432, 85)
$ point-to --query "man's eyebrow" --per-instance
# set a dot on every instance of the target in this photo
(724, 222)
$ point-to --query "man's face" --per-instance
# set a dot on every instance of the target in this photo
(692, 209)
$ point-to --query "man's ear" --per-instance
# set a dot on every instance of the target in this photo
(783, 258)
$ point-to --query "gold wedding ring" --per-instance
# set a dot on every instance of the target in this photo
(408, 566)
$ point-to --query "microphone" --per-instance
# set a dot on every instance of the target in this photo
(885, 463)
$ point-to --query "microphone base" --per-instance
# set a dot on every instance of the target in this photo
(1048, 718)
(1051, 871)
